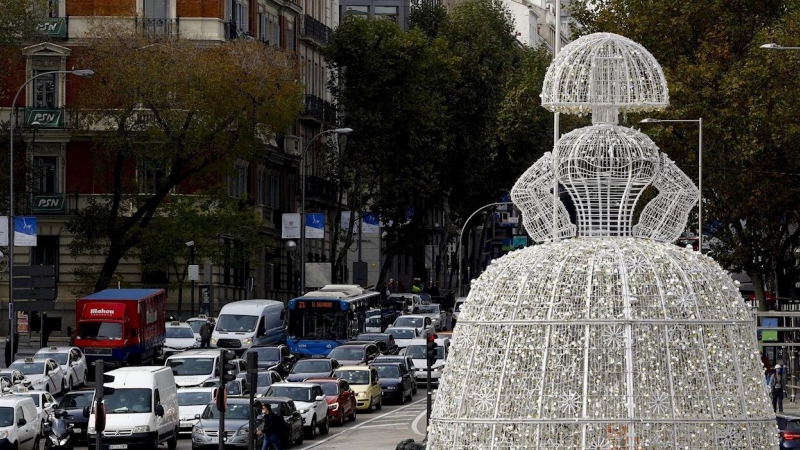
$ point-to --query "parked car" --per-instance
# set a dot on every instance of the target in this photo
(73, 403)
(341, 399)
(284, 406)
(395, 381)
(354, 354)
(405, 361)
(274, 357)
(312, 368)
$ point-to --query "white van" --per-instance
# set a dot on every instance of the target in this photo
(143, 410)
(19, 423)
(194, 367)
(245, 323)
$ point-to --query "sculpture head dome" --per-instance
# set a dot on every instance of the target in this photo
(605, 74)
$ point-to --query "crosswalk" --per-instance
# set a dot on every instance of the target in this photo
(403, 419)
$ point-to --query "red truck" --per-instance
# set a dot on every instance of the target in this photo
(122, 326)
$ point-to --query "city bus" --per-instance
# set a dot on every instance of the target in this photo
(321, 320)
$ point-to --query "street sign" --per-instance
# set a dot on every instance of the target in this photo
(34, 282)
(48, 203)
(47, 117)
(34, 305)
(55, 27)
(34, 271)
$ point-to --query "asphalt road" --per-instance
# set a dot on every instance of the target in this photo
(371, 431)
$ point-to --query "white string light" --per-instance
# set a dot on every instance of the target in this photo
(609, 337)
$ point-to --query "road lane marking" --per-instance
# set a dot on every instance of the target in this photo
(415, 424)
(361, 425)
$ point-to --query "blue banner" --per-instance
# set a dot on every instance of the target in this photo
(25, 229)
(315, 226)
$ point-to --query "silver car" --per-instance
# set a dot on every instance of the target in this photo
(432, 310)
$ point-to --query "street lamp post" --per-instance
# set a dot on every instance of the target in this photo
(339, 131)
(192, 277)
(85, 73)
(699, 123)
(460, 234)
(291, 248)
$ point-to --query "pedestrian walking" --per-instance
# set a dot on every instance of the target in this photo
(777, 385)
(205, 333)
(271, 429)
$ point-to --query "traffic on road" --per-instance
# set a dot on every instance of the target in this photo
(322, 377)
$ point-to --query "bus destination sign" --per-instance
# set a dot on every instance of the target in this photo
(316, 305)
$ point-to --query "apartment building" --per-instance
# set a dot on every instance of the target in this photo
(61, 162)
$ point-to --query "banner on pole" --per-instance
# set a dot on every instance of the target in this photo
(370, 224)
(290, 228)
(315, 226)
(4, 231)
(25, 229)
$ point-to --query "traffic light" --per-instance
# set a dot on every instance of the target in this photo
(252, 370)
(100, 391)
(226, 375)
(431, 349)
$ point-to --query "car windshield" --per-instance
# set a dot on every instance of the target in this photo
(126, 401)
(6, 417)
(311, 366)
(35, 368)
(399, 333)
(299, 394)
(193, 398)
(428, 309)
(61, 358)
(347, 354)
(276, 407)
(73, 400)
(408, 322)
(374, 321)
(267, 353)
(330, 388)
(353, 376)
(233, 411)
(196, 325)
(388, 371)
(182, 367)
(99, 330)
(236, 322)
(418, 352)
(180, 332)
(36, 399)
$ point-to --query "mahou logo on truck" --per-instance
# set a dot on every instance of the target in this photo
(101, 312)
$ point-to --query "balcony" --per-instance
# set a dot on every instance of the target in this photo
(233, 30)
(160, 27)
(53, 27)
(47, 117)
(314, 110)
(320, 189)
(314, 30)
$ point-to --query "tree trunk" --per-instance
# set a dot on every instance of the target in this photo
(113, 257)
(758, 288)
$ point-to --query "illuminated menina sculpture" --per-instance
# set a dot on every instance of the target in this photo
(606, 336)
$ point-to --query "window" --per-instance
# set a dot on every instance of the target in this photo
(237, 183)
(262, 26)
(52, 8)
(155, 9)
(290, 37)
(45, 174)
(44, 90)
(241, 16)
(152, 173)
(275, 25)
(46, 252)
(359, 11)
(387, 13)
(274, 194)
(261, 186)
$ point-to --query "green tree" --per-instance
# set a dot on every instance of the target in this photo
(711, 55)
(168, 132)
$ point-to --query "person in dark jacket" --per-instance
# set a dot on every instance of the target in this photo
(205, 333)
(272, 428)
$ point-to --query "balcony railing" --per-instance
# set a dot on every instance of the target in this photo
(54, 27)
(316, 30)
(160, 27)
(315, 107)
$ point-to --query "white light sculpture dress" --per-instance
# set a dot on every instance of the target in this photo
(608, 336)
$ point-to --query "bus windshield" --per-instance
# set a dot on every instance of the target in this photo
(310, 324)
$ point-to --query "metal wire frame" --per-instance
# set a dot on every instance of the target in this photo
(607, 343)
(604, 69)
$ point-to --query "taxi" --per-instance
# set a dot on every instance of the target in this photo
(363, 380)
(196, 323)
(72, 362)
(45, 404)
(13, 377)
(180, 337)
(44, 374)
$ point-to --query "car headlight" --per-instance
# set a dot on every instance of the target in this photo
(142, 429)
(391, 388)
(90, 430)
(333, 406)
(243, 431)
(361, 394)
(198, 431)
(303, 411)
(247, 341)
(3, 434)
(213, 340)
